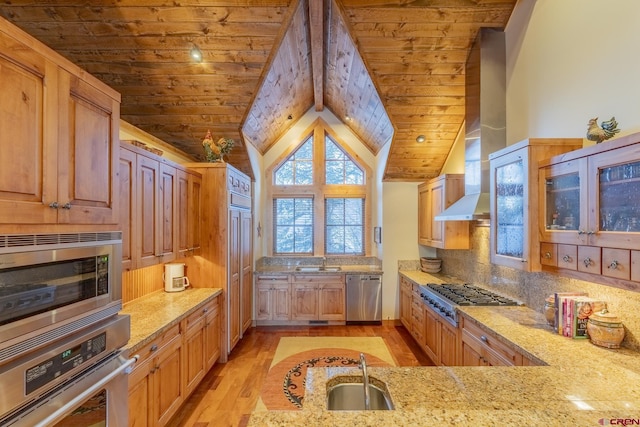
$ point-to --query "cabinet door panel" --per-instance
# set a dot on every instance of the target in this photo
(167, 382)
(448, 345)
(212, 331)
(168, 211)
(147, 177)
(183, 211)
(234, 278)
(281, 300)
(331, 302)
(88, 153)
(127, 179)
(28, 120)
(304, 299)
(432, 335)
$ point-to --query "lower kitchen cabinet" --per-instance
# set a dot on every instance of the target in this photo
(273, 299)
(318, 297)
(155, 385)
(405, 302)
(482, 348)
(172, 365)
(441, 339)
(201, 343)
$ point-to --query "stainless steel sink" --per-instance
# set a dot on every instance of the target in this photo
(312, 268)
(350, 397)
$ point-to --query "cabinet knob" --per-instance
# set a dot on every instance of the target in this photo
(66, 205)
(589, 233)
(581, 232)
(154, 347)
(483, 338)
(566, 258)
(547, 255)
(613, 265)
(54, 205)
(587, 262)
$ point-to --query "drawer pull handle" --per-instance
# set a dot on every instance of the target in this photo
(566, 258)
(581, 232)
(154, 347)
(483, 338)
(66, 205)
(613, 265)
(54, 205)
(587, 262)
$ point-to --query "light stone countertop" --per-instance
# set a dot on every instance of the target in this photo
(580, 385)
(156, 312)
(344, 269)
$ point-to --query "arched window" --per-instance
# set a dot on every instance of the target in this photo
(320, 198)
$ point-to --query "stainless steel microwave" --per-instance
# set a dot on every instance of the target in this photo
(53, 284)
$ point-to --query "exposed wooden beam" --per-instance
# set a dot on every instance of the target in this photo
(316, 28)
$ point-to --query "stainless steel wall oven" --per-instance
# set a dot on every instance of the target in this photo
(61, 337)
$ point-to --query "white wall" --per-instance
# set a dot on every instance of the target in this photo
(570, 61)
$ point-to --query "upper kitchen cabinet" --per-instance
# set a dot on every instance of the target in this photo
(160, 201)
(434, 196)
(59, 137)
(590, 210)
(514, 200)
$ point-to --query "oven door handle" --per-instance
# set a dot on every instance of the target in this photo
(88, 392)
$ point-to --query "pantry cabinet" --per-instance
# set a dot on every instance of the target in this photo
(590, 212)
(514, 238)
(434, 196)
(59, 130)
(226, 246)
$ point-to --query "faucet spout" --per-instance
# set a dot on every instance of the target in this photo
(365, 382)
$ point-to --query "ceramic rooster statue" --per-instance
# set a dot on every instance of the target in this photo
(605, 131)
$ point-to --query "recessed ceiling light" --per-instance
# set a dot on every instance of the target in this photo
(196, 54)
(420, 139)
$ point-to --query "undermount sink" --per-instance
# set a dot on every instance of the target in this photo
(313, 268)
(350, 397)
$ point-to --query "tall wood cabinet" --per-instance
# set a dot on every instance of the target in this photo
(226, 259)
(60, 131)
(434, 196)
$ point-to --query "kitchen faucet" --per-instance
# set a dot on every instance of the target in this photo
(365, 381)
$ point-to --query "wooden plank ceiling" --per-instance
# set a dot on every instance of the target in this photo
(394, 68)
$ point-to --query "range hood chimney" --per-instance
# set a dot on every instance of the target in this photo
(485, 123)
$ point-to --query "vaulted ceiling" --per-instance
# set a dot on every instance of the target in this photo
(391, 70)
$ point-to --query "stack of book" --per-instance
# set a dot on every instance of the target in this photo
(572, 311)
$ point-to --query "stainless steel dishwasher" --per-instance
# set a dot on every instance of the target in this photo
(364, 298)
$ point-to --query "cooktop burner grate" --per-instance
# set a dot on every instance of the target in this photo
(469, 295)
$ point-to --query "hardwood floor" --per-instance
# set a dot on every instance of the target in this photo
(229, 392)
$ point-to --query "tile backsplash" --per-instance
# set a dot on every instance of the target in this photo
(474, 266)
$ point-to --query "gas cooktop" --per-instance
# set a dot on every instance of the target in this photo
(464, 294)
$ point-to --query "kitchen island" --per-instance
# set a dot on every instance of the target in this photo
(580, 384)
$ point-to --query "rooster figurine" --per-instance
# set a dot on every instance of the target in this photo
(605, 131)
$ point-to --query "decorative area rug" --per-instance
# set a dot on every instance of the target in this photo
(284, 385)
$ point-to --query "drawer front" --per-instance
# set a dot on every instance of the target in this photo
(195, 318)
(284, 279)
(568, 257)
(151, 349)
(491, 342)
(589, 259)
(318, 278)
(548, 255)
(616, 263)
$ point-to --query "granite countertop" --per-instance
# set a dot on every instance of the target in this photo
(156, 312)
(344, 269)
(580, 385)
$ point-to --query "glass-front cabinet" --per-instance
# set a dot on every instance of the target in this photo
(514, 200)
(590, 210)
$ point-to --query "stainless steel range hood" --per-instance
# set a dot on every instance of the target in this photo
(485, 123)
